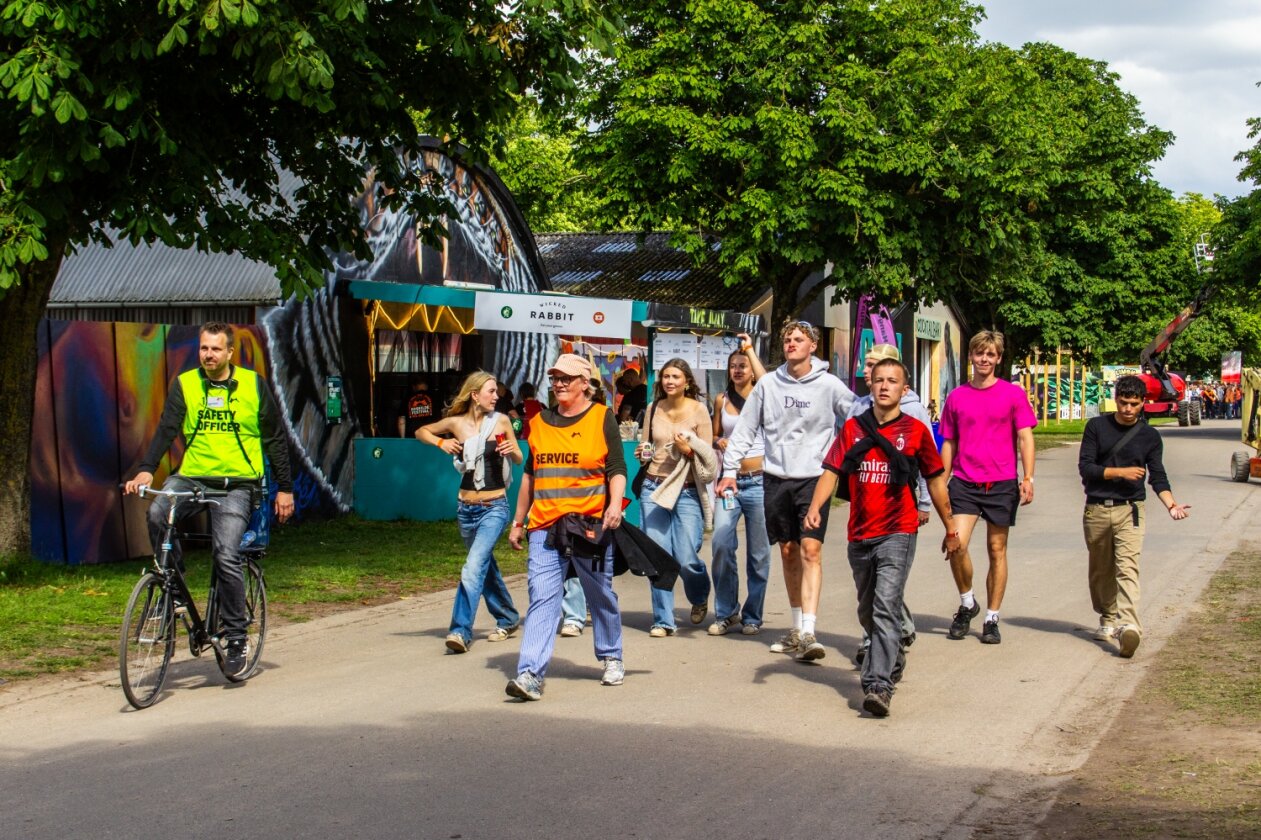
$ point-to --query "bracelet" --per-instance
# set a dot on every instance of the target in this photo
(954, 534)
(1029, 479)
(516, 524)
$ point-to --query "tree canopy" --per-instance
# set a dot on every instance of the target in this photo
(178, 121)
(884, 141)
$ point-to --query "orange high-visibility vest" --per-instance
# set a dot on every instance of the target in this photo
(568, 467)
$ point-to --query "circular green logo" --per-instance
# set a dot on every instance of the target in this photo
(377, 452)
(506, 312)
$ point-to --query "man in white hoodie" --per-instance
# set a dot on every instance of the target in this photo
(797, 408)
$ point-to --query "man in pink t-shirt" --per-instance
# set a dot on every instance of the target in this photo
(985, 423)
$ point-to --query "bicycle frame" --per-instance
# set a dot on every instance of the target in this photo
(173, 577)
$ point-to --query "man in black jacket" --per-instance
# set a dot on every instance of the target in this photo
(1117, 451)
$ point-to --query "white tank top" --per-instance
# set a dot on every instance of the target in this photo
(729, 426)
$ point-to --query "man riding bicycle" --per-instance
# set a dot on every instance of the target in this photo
(228, 416)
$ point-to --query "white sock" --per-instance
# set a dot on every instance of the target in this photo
(796, 618)
(807, 623)
(991, 615)
(967, 600)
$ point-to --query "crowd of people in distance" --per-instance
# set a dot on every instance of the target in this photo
(775, 449)
(1217, 401)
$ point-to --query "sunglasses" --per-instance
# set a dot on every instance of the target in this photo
(563, 380)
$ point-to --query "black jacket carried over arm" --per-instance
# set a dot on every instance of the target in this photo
(272, 430)
(1144, 449)
(634, 550)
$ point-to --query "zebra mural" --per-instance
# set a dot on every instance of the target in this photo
(487, 242)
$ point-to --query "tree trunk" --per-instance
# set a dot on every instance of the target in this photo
(21, 307)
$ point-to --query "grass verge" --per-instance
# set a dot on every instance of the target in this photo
(59, 618)
(1184, 757)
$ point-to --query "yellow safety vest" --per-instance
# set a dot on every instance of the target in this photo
(221, 425)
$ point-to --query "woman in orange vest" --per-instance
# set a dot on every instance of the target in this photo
(575, 477)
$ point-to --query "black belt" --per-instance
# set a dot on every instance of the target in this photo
(1133, 503)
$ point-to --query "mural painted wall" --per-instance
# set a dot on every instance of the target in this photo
(327, 335)
(101, 386)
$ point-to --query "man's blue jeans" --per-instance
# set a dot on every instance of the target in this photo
(480, 528)
(228, 521)
(881, 566)
(573, 606)
(680, 532)
(726, 545)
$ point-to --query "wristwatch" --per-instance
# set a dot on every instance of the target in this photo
(516, 524)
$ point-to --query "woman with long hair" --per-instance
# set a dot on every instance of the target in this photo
(481, 441)
(676, 444)
(744, 368)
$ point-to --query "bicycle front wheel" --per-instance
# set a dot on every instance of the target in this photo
(148, 640)
(256, 621)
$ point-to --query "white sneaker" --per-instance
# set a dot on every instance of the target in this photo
(569, 630)
(1129, 638)
(614, 672)
(1105, 633)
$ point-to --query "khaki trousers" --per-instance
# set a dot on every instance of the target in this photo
(1114, 543)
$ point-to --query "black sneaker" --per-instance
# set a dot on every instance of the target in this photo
(963, 619)
(234, 657)
(990, 634)
(861, 653)
(876, 702)
(907, 641)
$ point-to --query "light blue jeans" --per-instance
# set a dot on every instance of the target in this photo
(680, 532)
(726, 545)
(573, 606)
(480, 528)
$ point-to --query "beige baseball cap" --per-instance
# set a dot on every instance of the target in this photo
(883, 351)
(571, 364)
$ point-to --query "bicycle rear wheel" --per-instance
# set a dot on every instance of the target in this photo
(147, 642)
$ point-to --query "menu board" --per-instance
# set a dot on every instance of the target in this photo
(714, 351)
(674, 345)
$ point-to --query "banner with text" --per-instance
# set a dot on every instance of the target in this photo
(555, 315)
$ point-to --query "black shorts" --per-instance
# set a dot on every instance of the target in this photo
(995, 502)
(785, 501)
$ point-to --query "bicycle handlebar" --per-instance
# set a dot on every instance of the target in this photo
(199, 494)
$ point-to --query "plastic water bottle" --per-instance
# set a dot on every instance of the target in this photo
(728, 500)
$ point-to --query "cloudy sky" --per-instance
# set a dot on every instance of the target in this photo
(1192, 64)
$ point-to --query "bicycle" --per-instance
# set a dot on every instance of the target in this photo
(161, 599)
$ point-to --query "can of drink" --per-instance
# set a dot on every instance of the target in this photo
(501, 437)
(646, 455)
(728, 500)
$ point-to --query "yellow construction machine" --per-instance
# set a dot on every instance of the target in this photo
(1245, 464)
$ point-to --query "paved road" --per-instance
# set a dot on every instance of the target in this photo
(360, 726)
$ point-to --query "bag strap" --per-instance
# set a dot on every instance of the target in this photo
(1115, 449)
